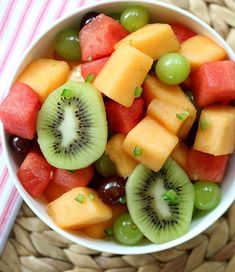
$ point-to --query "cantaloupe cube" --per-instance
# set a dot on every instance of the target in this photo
(200, 49)
(122, 74)
(170, 115)
(45, 75)
(153, 88)
(150, 143)
(216, 131)
(98, 231)
(154, 40)
(78, 208)
(180, 155)
(124, 163)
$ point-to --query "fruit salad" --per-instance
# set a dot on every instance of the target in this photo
(126, 131)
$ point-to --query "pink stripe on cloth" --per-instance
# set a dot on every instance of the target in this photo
(7, 15)
(16, 35)
(7, 209)
(13, 210)
(38, 21)
(38, 13)
(61, 9)
(3, 179)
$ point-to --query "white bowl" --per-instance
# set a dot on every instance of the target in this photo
(159, 12)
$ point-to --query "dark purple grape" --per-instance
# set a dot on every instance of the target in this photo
(88, 18)
(111, 189)
(94, 182)
(20, 145)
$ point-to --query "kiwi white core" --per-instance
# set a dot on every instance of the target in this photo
(68, 127)
(161, 204)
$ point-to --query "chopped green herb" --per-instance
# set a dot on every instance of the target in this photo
(80, 198)
(182, 116)
(109, 231)
(71, 171)
(90, 78)
(66, 93)
(90, 58)
(91, 195)
(138, 91)
(170, 196)
(137, 151)
(204, 124)
(122, 199)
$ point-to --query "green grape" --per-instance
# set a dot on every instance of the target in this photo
(207, 195)
(172, 68)
(67, 45)
(105, 166)
(134, 18)
(125, 230)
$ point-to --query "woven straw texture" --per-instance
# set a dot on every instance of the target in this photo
(32, 246)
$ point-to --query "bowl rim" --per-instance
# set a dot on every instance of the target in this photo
(150, 248)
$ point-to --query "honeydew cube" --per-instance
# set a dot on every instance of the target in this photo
(216, 131)
(78, 208)
(180, 155)
(45, 76)
(124, 163)
(154, 89)
(154, 40)
(150, 143)
(200, 49)
(170, 115)
(122, 74)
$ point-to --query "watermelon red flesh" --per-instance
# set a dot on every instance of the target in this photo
(203, 166)
(69, 180)
(35, 173)
(53, 191)
(18, 111)
(182, 32)
(98, 38)
(93, 67)
(122, 119)
(214, 82)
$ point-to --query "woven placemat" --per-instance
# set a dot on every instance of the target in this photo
(32, 246)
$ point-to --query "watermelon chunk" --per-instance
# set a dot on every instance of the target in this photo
(97, 39)
(18, 111)
(122, 119)
(214, 82)
(65, 180)
(35, 173)
(53, 191)
(182, 32)
(93, 67)
(203, 166)
(70, 179)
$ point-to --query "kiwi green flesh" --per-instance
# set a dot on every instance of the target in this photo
(72, 129)
(159, 220)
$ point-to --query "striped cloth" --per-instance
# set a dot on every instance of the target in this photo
(20, 23)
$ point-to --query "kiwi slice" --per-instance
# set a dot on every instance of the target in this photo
(72, 126)
(160, 203)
